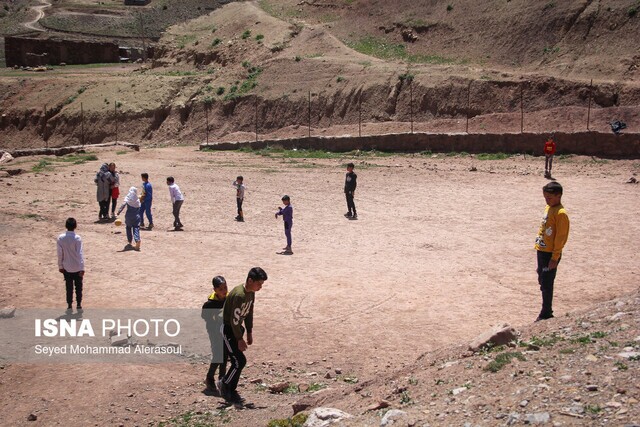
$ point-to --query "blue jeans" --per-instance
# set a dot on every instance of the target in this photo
(146, 208)
(133, 233)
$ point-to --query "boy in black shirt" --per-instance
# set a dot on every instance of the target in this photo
(238, 309)
(350, 188)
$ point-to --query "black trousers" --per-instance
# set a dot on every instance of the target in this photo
(351, 206)
(73, 280)
(237, 359)
(546, 278)
(176, 213)
(104, 209)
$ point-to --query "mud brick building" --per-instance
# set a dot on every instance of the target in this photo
(34, 49)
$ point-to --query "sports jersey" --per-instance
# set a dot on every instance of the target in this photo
(238, 308)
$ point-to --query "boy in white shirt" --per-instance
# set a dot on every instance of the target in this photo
(176, 199)
(71, 262)
(239, 196)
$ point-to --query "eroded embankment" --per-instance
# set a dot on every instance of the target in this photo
(493, 105)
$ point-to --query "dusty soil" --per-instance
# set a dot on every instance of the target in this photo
(438, 255)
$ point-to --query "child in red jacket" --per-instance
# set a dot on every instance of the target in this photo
(549, 151)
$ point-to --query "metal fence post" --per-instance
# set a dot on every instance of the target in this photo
(589, 108)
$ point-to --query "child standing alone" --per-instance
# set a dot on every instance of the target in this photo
(176, 200)
(551, 239)
(287, 216)
(238, 183)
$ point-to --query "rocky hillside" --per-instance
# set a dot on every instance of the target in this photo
(581, 369)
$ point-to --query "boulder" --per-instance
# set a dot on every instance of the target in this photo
(391, 417)
(6, 157)
(7, 312)
(498, 335)
(321, 417)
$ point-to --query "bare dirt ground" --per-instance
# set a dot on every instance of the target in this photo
(438, 255)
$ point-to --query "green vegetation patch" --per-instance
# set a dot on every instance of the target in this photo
(239, 89)
(502, 360)
(382, 49)
(297, 420)
(48, 163)
(277, 152)
(197, 419)
(493, 156)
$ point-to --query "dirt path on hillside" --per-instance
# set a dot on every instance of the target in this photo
(438, 254)
(33, 24)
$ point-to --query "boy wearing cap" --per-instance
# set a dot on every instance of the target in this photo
(287, 217)
(551, 239)
(215, 301)
(238, 309)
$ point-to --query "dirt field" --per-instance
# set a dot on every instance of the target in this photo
(438, 255)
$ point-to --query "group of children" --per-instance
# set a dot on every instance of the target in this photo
(237, 316)
(237, 305)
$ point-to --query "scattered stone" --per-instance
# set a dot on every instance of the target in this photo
(279, 387)
(632, 180)
(629, 354)
(391, 416)
(591, 358)
(7, 312)
(592, 387)
(613, 404)
(338, 371)
(256, 381)
(539, 418)
(14, 172)
(473, 169)
(119, 340)
(303, 387)
(381, 404)
(617, 316)
(513, 418)
(32, 417)
(498, 335)
(328, 375)
(458, 390)
(524, 403)
(321, 417)
(312, 400)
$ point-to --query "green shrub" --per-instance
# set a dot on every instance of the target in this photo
(246, 34)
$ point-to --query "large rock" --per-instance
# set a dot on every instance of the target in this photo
(322, 417)
(391, 417)
(5, 158)
(498, 335)
(7, 312)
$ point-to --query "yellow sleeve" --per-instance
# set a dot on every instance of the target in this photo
(562, 234)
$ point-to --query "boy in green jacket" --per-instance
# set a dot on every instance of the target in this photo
(238, 308)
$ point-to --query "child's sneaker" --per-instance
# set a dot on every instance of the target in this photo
(347, 215)
(354, 216)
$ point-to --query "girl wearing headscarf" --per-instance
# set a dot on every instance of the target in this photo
(103, 180)
(132, 216)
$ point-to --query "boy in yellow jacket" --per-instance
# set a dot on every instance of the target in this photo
(552, 237)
